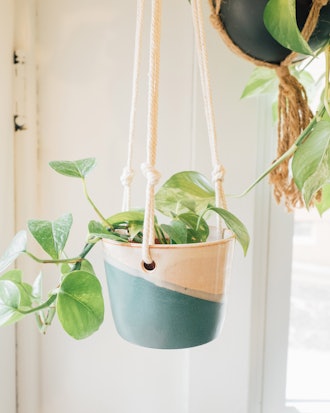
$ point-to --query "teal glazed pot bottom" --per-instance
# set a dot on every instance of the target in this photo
(156, 317)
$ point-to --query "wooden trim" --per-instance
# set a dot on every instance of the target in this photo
(27, 201)
(7, 335)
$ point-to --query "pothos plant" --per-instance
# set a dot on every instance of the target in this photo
(187, 198)
(310, 153)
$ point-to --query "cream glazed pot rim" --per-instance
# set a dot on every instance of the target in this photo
(228, 238)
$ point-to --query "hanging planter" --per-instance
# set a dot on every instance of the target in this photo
(267, 33)
(241, 24)
(170, 296)
(176, 301)
(178, 304)
(167, 296)
(167, 282)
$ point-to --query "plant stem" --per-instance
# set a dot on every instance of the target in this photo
(76, 260)
(160, 234)
(49, 318)
(201, 215)
(46, 304)
(301, 138)
(104, 221)
(59, 261)
(82, 256)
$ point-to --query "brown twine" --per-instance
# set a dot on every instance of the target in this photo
(218, 25)
(294, 113)
(294, 116)
(309, 26)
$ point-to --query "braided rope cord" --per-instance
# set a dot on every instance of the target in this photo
(128, 173)
(218, 169)
(148, 168)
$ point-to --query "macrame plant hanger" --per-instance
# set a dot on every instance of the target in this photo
(128, 172)
(168, 296)
(294, 113)
(149, 167)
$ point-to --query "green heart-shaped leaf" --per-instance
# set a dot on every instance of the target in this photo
(280, 20)
(75, 169)
(87, 267)
(97, 230)
(183, 192)
(13, 297)
(9, 302)
(132, 221)
(324, 204)
(310, 164)
(316, 181)
(177, 232)
(198, 229)
(126, 216)
(235, 225)
(26, 293)
(13, 275)
(37, 288)
(16, 247)
(80, 305)
(52, 236)
(262, 80)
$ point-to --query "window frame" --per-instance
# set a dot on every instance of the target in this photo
(7, 205)
(273, 231)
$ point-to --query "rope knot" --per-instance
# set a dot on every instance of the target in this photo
(218, 173)
(283, 71)
(151, 174)
(215, 20)
(127, 176)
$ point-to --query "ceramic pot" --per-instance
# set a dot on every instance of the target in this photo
(180, 303)
(243, 22)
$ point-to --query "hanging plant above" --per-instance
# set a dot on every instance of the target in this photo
(242, 26)
(276, 35)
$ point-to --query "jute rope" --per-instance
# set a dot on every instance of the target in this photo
(294, 116)
(293, 109)
(128, 172)
(218, 169)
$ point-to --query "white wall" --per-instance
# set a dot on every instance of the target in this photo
(85, 83)
(84, 57)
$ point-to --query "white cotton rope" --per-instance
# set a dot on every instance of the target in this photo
(128, 172)
(218, 169)
(148, 168)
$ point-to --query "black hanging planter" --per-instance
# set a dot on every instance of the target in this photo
(240, 23)
(243, 22)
